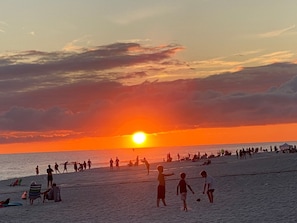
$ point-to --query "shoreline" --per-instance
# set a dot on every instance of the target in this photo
(217, 160)
(19, 165)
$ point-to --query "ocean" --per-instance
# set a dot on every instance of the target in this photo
(20, 165)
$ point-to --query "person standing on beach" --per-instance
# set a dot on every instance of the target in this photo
(89, 163)
(49, 176)
(75, 166)
(111, 163)
(182, 188)
(147, 165)
(37, 170)
(208, 185)
(161, 186)
(117, 161)
(136, 161)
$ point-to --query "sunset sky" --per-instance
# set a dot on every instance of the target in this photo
(88, 74)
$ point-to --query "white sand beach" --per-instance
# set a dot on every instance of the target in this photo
(257, 189)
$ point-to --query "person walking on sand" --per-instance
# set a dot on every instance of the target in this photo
(57, 168)
(65, 167)
(49, 176)
(208, 185)
(161, 186)
(182, 188)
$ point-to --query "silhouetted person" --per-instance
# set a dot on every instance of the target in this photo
(49, 176)
(65, 166)
(137, 161)
(89, 163)
(75, 166)
(147, 165)
(117, 161)
(37, 170)
(80, 167)
(57, 168)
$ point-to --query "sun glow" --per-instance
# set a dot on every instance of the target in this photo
(139, 137)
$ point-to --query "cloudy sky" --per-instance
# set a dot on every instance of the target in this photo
(100, 70)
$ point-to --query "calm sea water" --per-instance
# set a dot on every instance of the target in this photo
(20, 165)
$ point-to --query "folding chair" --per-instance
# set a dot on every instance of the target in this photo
(34, 192)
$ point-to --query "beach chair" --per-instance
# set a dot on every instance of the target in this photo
(34, 192)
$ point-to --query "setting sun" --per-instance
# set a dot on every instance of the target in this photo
(139, 137)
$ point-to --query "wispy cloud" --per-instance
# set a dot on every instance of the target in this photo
(3, 24)
(250, 52)
(78, 44)
(240, 60)
(276, 33)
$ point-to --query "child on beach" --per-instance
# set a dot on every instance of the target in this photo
(161, 186)
(208, 185)
(182, 187)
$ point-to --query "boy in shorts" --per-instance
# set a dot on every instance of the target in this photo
(182, 188)
(208, 185)
(161, 186)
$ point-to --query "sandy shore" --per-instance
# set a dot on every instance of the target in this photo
(257, 189)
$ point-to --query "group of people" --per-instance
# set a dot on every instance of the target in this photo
(77, 166)
(182, 187)
(117, 163)
(136, 162)
(50, 171)
(81, 166)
